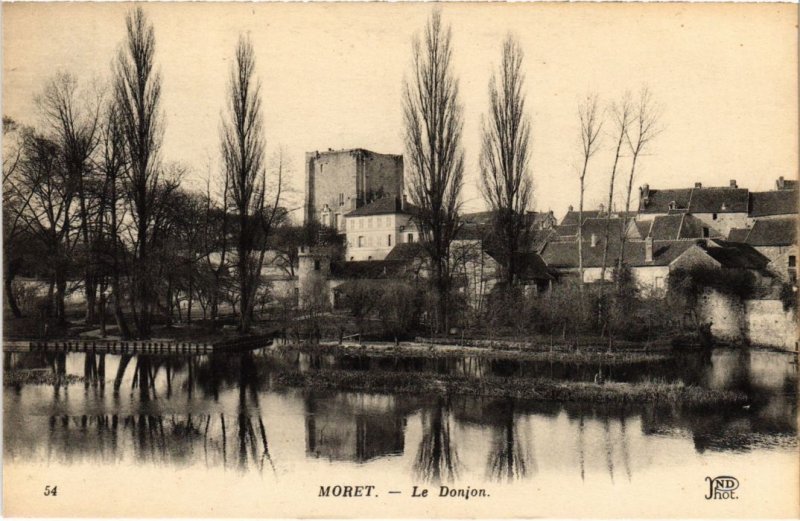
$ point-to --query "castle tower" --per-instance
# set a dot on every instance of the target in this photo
(339, 181)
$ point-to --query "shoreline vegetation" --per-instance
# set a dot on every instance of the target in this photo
(497, 351)
(512, 387)
(543, 389)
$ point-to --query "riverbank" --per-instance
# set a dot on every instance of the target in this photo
(498, 351)
(511, 387)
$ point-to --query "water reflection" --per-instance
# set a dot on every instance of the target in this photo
(353, 427)
(437, 456)
(225, 411)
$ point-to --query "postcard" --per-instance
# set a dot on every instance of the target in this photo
(400, 260)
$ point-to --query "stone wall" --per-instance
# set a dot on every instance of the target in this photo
(769, 325)
(339, 181)
(759, 322)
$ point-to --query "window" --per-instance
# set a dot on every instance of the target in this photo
(389, 240)
(705, 231)
(410, 237)
(659, 282)
(336, 221)
(714, 216)
(792, 261)
(369, 224)
(361, 223)
(316, 265)
(341, 199)
(360, 241)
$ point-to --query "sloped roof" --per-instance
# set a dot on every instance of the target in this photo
(697, 200)
(677, 226)
(406, 251)
(383, 206)
(566, 230)
(571, 217)
(531, 266)
(471, 232)
(666, 227)
(376, 269)
(734, 254)
(565, 254)
(719, 200)
(773, 232)
(774, 202)
(658, 200)
(644, 227)
(738, 234)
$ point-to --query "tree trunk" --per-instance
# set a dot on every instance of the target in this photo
(10, 297)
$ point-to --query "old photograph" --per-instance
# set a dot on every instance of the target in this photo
(400, 260)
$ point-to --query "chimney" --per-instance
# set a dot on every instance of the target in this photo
(594, 240)
(779, 183)
(648, 249)
(733, 183)
(570, 208)
(644, 195)
(698, 185)
(602, 209)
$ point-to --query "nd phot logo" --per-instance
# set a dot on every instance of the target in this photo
(722, 487)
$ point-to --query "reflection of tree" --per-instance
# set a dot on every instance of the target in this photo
(158, 439)
(437, 458)
(509, 459)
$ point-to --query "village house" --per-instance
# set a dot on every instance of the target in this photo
(374, 229)
(719, 208)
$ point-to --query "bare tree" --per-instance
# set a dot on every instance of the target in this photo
(504, 162)
(621, 113)
(433, 125)
(112, 165)
(591, 124)
(72, 123)
(243, 147)
(641, 131)
(137, 91)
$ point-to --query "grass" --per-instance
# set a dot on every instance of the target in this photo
(513, 387)
(416, 350)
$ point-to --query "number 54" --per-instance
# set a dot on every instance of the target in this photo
(48, 491)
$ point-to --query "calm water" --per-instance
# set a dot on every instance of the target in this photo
(225, 415)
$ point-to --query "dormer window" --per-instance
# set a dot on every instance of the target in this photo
(673, 205)
(723, 208)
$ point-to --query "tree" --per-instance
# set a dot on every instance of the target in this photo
(504, 162)
(72, 123)
(137, 91)
(622, 115)
(433, 125)
(638, 136)
(243, 147)
(590, 126)
(112, 164)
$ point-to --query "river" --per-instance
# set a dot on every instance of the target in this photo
(134, 421)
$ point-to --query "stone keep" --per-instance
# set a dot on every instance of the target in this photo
(339, 181)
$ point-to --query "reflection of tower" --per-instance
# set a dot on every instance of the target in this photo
(347, 427)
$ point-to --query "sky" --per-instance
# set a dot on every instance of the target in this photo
(725, 77)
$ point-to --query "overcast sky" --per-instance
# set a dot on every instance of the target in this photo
(724, 75)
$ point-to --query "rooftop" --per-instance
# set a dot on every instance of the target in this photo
(382, 206)
(774, 202)
(768, 232)
(726, 199)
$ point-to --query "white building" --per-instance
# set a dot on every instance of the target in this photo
(373, 230)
